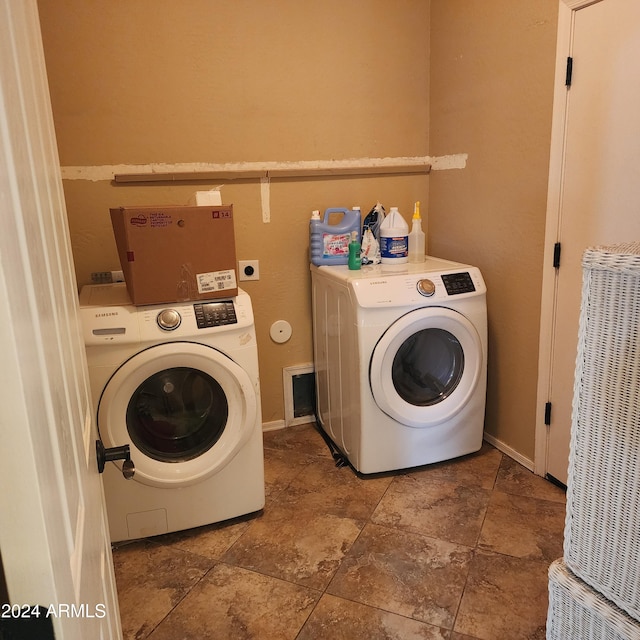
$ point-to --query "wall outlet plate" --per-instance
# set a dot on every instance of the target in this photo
(106, 277)
(248, 270)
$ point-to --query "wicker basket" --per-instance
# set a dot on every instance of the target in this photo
(577, 612)
(602, 532)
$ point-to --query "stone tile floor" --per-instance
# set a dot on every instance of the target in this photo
(458, 550)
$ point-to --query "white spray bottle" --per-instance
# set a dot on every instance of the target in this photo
(416, 237)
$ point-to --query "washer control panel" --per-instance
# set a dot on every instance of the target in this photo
(215, 314)
(457, 283)
(108, 317)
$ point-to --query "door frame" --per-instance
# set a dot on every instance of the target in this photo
(55, 544)
(566, 16)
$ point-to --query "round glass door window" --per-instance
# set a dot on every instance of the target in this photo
(427, 367)
(177, 414)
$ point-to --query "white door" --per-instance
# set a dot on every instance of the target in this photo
(594, 194)
(53, 535)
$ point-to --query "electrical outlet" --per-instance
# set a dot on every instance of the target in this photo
(107, 277)
(248, 270)
(101, 277)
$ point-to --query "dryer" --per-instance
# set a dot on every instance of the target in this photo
(401, 362)
(179, 384)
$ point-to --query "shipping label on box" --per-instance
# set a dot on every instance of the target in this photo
(176, 254)
(216, 281)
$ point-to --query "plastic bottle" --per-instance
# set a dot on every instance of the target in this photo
(329, 243)
(416, 237)
(315, 238)
(394, 239)
(354, 252)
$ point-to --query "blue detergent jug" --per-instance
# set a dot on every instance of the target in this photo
(329, 243)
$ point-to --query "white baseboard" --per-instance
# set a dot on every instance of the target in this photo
(507, 450)
(276, 425)
(273, 426)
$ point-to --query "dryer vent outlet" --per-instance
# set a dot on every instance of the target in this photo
(299, 384)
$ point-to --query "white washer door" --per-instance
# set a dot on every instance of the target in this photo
(425, 366)
(185, 409)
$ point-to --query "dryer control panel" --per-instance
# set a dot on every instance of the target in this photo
(457, 283)
(379, 288)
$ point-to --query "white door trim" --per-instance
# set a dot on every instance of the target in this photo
(53, 529)
(566, 16)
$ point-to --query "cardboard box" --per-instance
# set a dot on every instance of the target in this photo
(176, 254)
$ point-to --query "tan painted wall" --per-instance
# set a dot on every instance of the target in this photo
(149, 81)
(146, 81)
(492, 65)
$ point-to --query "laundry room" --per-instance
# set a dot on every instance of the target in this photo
(225, 513)
(205, 85)
(161, 482)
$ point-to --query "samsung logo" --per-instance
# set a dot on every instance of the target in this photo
(377, 282)
(106, 314)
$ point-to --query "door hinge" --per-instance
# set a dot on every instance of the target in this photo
(569, 72)
(556, 255)
(547, 413)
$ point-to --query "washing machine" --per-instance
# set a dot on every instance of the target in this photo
(400, 361)
(179, 384)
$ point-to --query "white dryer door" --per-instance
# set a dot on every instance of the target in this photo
(185, 409)
(425, 366)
